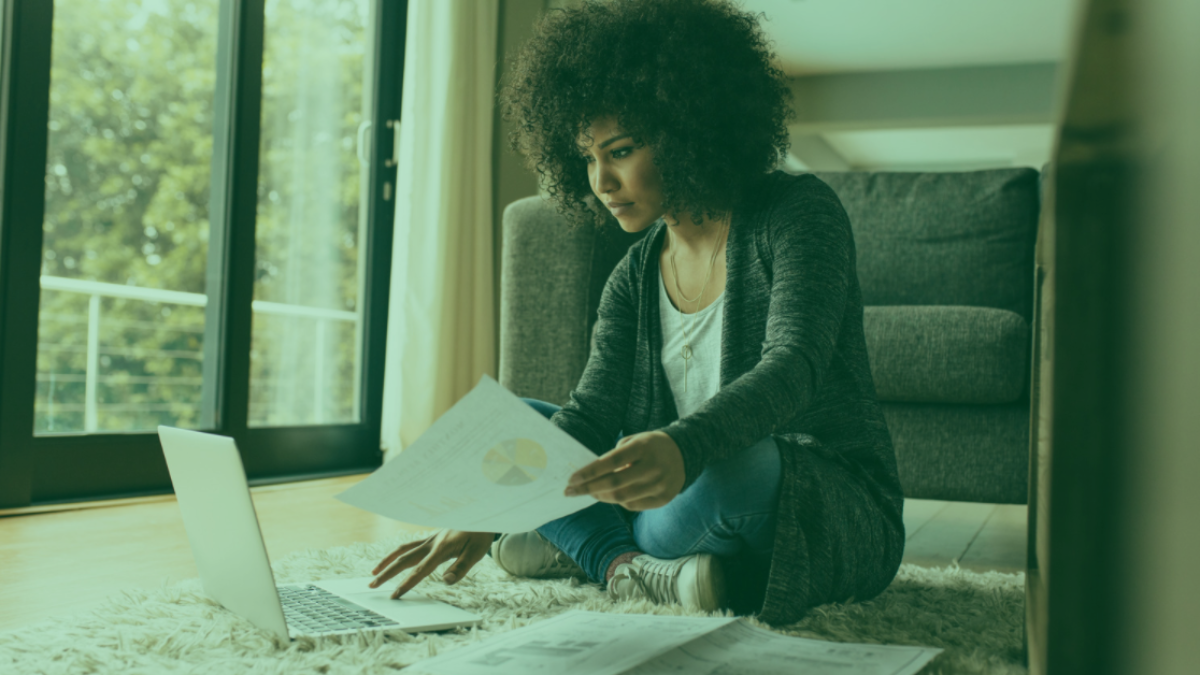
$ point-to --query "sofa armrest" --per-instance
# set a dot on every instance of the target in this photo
(544, 275)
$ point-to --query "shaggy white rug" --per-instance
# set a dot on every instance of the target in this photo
(977, 618)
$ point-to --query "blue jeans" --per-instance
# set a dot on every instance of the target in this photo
(729, 512)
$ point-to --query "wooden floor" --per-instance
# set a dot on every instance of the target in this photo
(66, 561)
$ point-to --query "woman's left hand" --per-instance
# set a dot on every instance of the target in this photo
(644, 471)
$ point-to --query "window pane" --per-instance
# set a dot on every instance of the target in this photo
(121, 318)
(305, 346)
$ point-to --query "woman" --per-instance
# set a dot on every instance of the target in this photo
(755, 470)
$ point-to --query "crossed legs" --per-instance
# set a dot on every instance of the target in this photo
(728, 512)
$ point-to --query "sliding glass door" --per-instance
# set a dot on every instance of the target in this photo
(125, 226)
(196, 232)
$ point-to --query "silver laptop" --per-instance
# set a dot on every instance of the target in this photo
(214, 498)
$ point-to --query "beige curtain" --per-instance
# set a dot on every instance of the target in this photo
(441, 326)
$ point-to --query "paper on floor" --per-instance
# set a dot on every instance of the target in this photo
(598, 643)
(489, 464)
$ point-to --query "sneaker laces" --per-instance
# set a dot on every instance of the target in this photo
(656, 577)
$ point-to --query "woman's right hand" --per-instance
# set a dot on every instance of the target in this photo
(426, 554)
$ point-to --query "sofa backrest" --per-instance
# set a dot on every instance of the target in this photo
(958, 239)
(962, 238)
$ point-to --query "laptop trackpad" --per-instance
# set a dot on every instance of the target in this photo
(413, 612)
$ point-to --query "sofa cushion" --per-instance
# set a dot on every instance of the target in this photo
(955, 238)
(947, 354)
(961, 453)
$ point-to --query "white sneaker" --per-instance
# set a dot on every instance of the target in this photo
(529, 554)
(695, 581)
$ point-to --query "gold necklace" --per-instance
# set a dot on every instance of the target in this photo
(686, 350)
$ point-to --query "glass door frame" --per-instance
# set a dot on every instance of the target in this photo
(62, 468)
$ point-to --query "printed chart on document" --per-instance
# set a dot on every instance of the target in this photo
(518, 461)
(489, 464)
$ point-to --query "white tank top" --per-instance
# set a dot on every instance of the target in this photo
(704, 367)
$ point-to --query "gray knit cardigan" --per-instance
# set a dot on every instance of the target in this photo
(793, 365)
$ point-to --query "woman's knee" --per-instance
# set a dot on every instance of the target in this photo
(662, 539)
(675, 534)
(727, 507)
(751, 476)
(651, 547)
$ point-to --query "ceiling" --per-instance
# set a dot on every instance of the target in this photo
(837, 36)
(957, 148)
(824, 37)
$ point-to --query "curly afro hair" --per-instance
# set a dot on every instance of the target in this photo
(692, 79)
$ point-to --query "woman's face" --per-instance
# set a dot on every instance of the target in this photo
(622, 173)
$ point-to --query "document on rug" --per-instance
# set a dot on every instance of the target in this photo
(491, 463)
(575, 642)
(743, 649)
(598, 643)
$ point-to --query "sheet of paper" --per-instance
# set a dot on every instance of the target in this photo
(597, 643)
(742, 649)
(489, 464)
(575, 642)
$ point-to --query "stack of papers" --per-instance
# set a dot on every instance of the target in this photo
(596, 643)
(491, 463)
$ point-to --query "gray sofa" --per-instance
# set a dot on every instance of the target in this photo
(946, 266)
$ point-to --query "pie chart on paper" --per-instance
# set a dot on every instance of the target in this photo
(518, 461)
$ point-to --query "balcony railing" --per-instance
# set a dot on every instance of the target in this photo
(97, 290)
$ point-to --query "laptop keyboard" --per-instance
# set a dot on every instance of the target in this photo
(310, 609)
